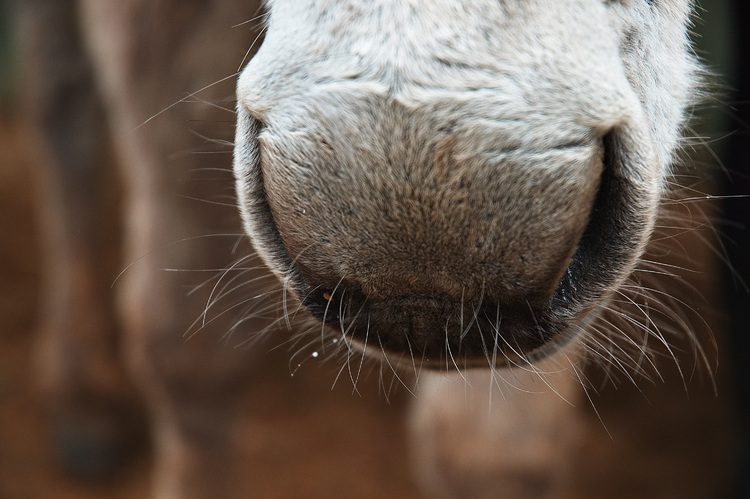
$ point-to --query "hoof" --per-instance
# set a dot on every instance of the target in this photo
(95, 446)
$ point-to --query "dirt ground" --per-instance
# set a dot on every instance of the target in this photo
(303, 439)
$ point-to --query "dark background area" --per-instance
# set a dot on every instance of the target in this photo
(304, 439)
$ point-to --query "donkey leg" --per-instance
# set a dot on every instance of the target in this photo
(193, 376)
(507, 436)
(193, 381)
(150, 55)
(84, 391)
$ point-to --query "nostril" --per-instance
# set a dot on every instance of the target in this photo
(320, 303)
(331, 304)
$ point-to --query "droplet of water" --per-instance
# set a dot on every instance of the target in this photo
(315, 355)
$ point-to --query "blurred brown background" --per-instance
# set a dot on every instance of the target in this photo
(304, 439)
